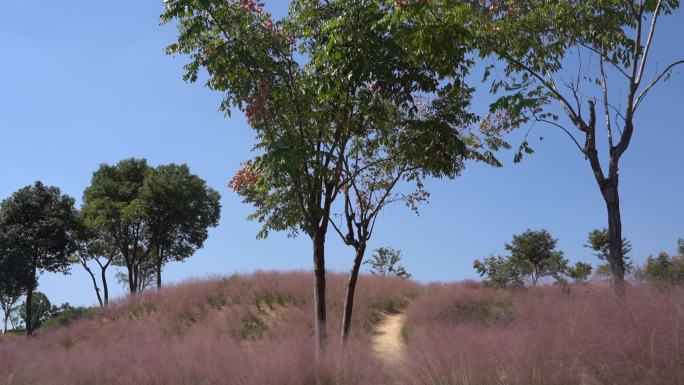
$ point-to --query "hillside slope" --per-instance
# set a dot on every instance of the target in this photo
(254, 329)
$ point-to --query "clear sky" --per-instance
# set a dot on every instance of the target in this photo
(87, 82)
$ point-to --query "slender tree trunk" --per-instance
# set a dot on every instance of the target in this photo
(319, 292)
(29, 311)
(159, 273)
(92, 277)
(105, 288)
(6, 320)
(615, 258)
(133, 279)
(351, 287)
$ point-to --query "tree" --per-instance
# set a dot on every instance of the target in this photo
(93, 245)
(580, 272)
(37, 229)
(180, 210)
(385, 262)
(534, 252)
(10, 292)
(580, 57)
(112, 207)
(308, 113)
(599, 241)
(664, 269)
(36, 312)
(500, 272)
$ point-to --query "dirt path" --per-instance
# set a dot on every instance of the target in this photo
(387, 341)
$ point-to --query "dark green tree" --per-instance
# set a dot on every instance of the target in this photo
(599, 241)
(37, 228)
(10, 292)
(580, 272)
(113, 208)
(499, 272)
(535, 254)
(180, 210)
(385, 262)
(39, 311)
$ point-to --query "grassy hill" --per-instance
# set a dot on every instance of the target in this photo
(257, 329)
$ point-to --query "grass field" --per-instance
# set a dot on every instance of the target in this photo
(257, 329)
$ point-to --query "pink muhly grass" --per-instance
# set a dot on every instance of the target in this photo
(586, 336)
(246, 330)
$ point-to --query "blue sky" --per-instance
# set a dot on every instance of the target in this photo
(87, 82)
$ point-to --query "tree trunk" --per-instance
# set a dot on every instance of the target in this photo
(92, 277)
(29, 311)
(319, 292)
(615, 257)
(6, 320)
(105, 288)
(159, 272)
(133, 279)
(351, 287)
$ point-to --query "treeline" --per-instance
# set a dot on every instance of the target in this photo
(133, 216)
(534, 258)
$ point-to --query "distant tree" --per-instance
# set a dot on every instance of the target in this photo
(599, 241)
(664, 268)
(112, 206)
(95, 245)
(499, 272)
(580, 272)
(10, 292)
(385, 262)
(39, 311)
(535, 255)
(37, 228)
(180, 209)
(680, 246)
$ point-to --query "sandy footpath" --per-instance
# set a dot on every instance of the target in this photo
(387, 341)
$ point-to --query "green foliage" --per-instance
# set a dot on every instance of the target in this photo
(180, 209)
(535, 255)
(499, 272)
(37, 225)
(598, 241)
(580, 272)
(153, 215)
(64, 315)
(38, 228)
(664, 269)
(41, 310)
(486, 312)
(385, 262)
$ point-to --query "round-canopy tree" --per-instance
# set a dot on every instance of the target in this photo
(37, 230)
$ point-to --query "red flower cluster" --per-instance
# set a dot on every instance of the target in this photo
(244, 178)
(256, 103)
(253, 6)
(406, 3)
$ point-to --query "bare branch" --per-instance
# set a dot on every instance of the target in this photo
(604, 86)
(574, 116)
(655, 81)
(551, 122)
(649, 40)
